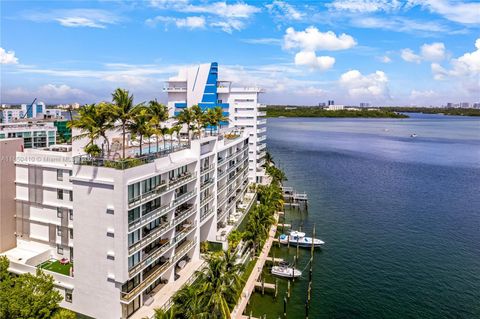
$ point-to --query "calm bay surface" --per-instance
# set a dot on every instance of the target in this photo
(400, 216)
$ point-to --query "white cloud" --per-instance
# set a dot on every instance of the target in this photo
(7, 57)
(91, 18)
(466, 67)
(284, 11)
(365, 6)
(457, 11)
(227, 17)
(385, 59)
(310, 59)
(399, 24)
(188, 22)
(371, 86)
(272, 41)
(409, 56)
(50, 93)
(312, 40)
(433, 52)
(419, 95)
(237, 10)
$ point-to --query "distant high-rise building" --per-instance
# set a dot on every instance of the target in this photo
(464, 105)
(322, 104)
(364, 104)
(476, 105)
(449, 104)
(331, 102)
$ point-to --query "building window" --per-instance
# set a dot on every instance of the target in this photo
(68, 296)
(59, 231)
(59, 175)
(70, 232)
(59, 193)
(59, 250)
(70, 195)
(70, 214)
(59, 212)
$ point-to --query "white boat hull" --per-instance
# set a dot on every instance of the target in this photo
(306, 242)
(286, 272)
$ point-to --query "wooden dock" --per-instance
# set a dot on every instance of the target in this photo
(237, 312)
(266, 285)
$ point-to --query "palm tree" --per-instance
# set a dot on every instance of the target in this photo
(198, 118)
(163, 314)
(159, 115)
(219, 116)
(186, 117)
(176, 129)
(191, 302)
(164, 131)
(123, 102)
(105, 122)
(86, 122)
(139, 123)
(268, 159)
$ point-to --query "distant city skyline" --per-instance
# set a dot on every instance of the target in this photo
(399, 52)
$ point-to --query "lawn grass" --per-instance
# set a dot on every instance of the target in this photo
(56, 266)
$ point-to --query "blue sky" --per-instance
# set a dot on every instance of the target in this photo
(385, 52)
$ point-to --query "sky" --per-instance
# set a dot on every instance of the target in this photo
(382, 52)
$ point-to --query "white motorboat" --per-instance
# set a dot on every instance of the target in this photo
(285, 271)
(413, 135)
(298, 238)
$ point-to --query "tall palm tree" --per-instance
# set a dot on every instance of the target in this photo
(185, 117)
(123, 102)
(163, 314)
(105, 122)
(86, 122)
(219, 116)
(159, 115)
(198, 118)
(191, 303)
(269, 159)
(139, 123)
(176, 129)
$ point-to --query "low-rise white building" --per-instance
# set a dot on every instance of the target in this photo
(35, 134)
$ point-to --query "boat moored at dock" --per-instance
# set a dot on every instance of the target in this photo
(298, 238)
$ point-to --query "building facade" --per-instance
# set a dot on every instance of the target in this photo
(34, 134)
(129, 236)
(200, 85)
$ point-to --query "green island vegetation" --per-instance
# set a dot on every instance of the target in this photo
(437, 110)
(218, 286)
(316, 111)
(29, 296)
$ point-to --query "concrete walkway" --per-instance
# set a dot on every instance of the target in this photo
(237, 312)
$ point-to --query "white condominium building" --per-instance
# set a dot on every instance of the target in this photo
(34, 134)
(120, 237)
(200, 85)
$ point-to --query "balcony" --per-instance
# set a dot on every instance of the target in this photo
(161, 210)
(261, 113)
(261, 154)
(175, 89)
(261, 138)
(261, 130)
(261, 146)
(259, 105)
(153, 235)
(206, 214)
(261, 122)
(157, 191)
(206, 199)
(206, 184)
(149, 258)
(207, 169)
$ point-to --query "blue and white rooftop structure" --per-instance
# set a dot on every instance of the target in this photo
(200, 85)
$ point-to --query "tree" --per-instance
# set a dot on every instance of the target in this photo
(234, 238)
(104, 121)
(163, 314)
(159, 114)
(123, 103)
(198, 118)
(139, 123)
(185, 117)
(27, 296)
(64, 314)
(86, 122)
(188, 303)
